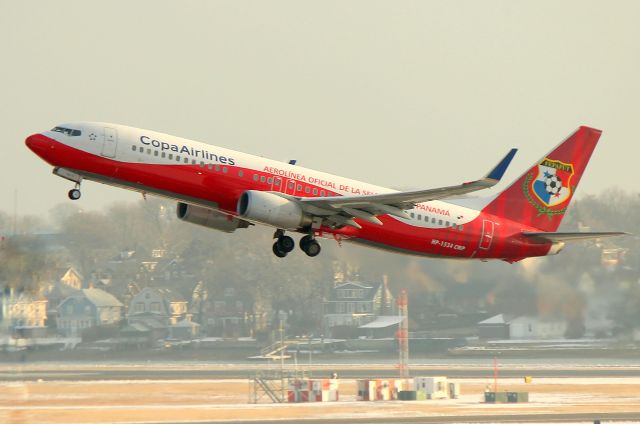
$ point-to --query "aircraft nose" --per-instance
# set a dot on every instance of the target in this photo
(36, 142)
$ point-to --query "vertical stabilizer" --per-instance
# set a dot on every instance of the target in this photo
(540, 197)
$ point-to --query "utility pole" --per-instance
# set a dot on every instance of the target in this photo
(403, 334)
(15, 212)
(282, 352)
(495, 373)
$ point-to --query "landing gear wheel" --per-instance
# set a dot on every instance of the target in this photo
(74, 194)
(276, 251)
(310, 246)
(313, 248)
(285, 244)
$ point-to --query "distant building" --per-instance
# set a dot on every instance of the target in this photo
(227, 315)
(184, 330)
(88, 309)
(55, 293)
(527, 327)
(505, 327)
(159, 304)
(352, 304)
(495, 327)
(23, 314)
(71, 278)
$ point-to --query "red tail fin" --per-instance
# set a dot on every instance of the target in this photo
(540, 197)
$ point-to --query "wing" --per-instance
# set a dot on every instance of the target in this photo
(562, 237)
(340, 210)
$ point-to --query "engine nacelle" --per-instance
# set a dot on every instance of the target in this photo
(271, 209)
(209, 218)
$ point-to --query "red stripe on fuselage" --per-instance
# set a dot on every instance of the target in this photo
(224, 189)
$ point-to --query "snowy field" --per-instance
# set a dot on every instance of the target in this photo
(137, 401)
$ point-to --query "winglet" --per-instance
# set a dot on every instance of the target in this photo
(497, 172)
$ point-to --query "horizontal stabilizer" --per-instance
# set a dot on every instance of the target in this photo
(562, 237)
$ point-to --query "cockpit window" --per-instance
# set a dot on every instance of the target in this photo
(68, 131)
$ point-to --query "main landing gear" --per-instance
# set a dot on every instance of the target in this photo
(309, 245)
(285, 244)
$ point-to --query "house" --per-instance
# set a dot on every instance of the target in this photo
(24, 314)
(90, 308)
(160, 304)
(71, 278)
(352, 304)
(66, 282)
(55, 293)
(228, 315)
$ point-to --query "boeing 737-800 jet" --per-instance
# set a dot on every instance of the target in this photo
(228, 190)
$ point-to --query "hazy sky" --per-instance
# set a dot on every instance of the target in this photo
(404, 94)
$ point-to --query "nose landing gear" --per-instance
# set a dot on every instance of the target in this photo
(74, 193)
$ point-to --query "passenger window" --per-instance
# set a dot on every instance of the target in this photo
(218, 170)
(299, 187)
(446, 224)
(433, 220)
(263, 178)
(240, 173)
(322, 193)
(413, 215)
(460, 227)
(155, 153)
(210, 166)
(255, 176)
(225, 169)
(133, 148)
(202, 164)
(193, 161)
(315, 191)
(270, 180)
(277, 183)
(148, 151)
(164, 154)
(419, 217)
(307, 189)
(178, 158)
(170, 156)
(291, 184)
(186, 160)
(439, 222)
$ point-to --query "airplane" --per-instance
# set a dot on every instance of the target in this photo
(228, 190)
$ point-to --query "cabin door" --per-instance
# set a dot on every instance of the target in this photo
(488, 228)
(110, 142)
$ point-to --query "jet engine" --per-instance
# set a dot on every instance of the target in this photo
(209, 218)
(271, 209)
